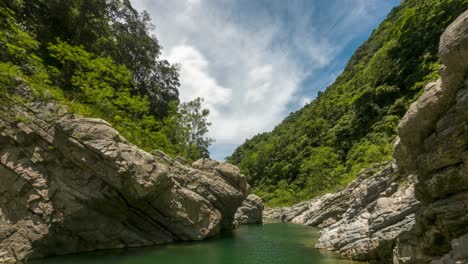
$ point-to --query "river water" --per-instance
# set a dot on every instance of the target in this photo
(274, 243)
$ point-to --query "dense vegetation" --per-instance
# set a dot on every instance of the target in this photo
(99, 58)
(352, 123)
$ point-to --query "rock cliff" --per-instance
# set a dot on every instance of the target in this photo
(364, 220)
(71, 184)
(415, 209)
(433, 144)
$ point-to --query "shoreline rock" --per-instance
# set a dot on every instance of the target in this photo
(363, 220)
(72, 184)
(250, 211)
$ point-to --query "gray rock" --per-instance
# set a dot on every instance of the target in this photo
(433, 144)
(458, 254)
(73, 184)
(273, 214)
(250, 212)
(371, 233)
(364, 220)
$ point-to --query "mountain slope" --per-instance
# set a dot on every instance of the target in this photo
(100, 58)
(352, 123)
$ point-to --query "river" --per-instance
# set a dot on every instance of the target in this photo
(274, 243)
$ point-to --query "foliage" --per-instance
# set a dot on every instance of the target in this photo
(351, 124)
(97, 57)
(193, 123)
(107, 28)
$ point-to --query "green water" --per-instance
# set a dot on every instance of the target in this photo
(275, 243)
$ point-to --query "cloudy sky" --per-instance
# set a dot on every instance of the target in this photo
(255, 61)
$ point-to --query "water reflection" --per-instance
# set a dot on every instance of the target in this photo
(273, 243)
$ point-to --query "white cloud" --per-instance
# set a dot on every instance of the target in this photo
(247, 76)
(305, 100)
(195, 79)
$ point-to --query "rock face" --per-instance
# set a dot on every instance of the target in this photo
(414, 210)
(433, 144)
(72, 184)
(364, 220)
(250, 212)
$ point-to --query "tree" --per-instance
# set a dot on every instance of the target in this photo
(193, 127)
(107, 28)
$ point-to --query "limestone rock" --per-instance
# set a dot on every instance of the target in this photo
(370, 234)
(250, 212)
(72, 184)
(439, 155)
(363, 220)
(273, 213)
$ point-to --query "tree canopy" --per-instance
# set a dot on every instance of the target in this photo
(100, 58)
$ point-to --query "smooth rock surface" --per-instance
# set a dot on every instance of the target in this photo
(73, 184)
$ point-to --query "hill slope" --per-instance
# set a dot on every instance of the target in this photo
(352, 123)
(100, 58)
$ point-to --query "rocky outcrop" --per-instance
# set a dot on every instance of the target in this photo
(371, 233)
(458, 253)
(330, 208)
(416, 209)
(433, 144)
(250, 212)
(364, 220)
(71, 184)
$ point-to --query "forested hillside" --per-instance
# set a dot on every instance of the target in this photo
(352, 124)
(100, 59)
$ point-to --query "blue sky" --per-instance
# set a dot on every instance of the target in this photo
(255, 61)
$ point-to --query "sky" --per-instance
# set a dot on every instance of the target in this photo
(256, 61)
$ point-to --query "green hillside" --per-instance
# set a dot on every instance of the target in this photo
(100, 59)
(352, 124)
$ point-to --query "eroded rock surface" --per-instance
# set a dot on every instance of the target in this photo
(433, 144)
(364, 220)
(251, 211)
(71, 184)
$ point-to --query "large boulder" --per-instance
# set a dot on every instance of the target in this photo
(251, 211)
(72, 184)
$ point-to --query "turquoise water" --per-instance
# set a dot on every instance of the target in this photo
(275, 243)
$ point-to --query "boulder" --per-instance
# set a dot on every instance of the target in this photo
(72, 184)
(250, 211)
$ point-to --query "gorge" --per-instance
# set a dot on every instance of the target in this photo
(98, 167)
